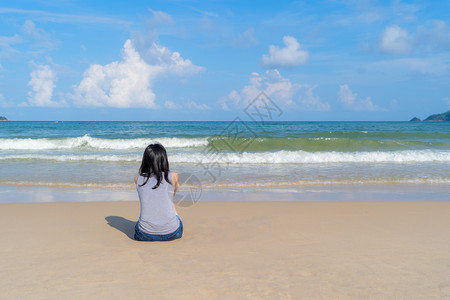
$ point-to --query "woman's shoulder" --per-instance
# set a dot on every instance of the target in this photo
(142, 177)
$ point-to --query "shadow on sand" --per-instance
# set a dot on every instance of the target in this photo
(122, 224)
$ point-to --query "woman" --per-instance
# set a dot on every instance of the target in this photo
(158, 220)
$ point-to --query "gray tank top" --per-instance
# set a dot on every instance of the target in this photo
(157, 212)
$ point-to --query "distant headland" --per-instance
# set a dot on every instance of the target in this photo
(444, 117)
(3, 118)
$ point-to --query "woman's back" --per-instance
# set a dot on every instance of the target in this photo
(158, 214)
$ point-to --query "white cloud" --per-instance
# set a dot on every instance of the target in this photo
(309, 101)
(156, 24)
(36, 37)
(290, 56)
(128, 83)
(123, 83)
(234, 97)
(346, 96)
(350, 101)
(42, 83)
(160, 17)
(395, 40)
(281, 90)
(7, 41)
(6, 46)
(159, 23)
(187, 105)
(171, 105)
(433, 37)
(168, 61)
(40, 38)
(246, 39)
(194, 105)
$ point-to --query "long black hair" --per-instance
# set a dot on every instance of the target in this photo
(155, 163)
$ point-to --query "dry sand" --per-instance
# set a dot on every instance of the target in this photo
(230, 250)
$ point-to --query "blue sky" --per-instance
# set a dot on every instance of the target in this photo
(207, 60)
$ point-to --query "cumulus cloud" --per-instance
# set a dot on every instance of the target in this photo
(290, 56)
(350, 100)
(433, 37)
(121, 84)
(309, 101)
(42, 83)
(346, 96)
(168, 61)
(395, 40)
(128, 83)
(280, 89)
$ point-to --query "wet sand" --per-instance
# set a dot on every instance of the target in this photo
(230, 250)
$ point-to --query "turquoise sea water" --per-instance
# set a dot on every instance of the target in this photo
(226, 155)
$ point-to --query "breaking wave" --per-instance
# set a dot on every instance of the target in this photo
(87, 142)
(278, 157)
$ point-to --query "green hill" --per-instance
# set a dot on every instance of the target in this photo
(439, 117)
(3, 118)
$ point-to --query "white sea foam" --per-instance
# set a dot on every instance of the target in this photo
(97, 143)
(304, 157)
(279, 157)
(278, 185)
(73, 157)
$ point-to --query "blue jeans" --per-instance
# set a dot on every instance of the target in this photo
(142, 236)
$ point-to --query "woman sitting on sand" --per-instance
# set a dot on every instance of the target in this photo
(158, 220)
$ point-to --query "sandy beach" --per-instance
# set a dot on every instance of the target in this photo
(230, 250)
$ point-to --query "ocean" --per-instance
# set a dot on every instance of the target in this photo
(228, 156)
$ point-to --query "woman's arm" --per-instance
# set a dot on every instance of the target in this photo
(175, 182)
(135, 179)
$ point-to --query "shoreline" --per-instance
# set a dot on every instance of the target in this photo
(246, 250)
(319, 193)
